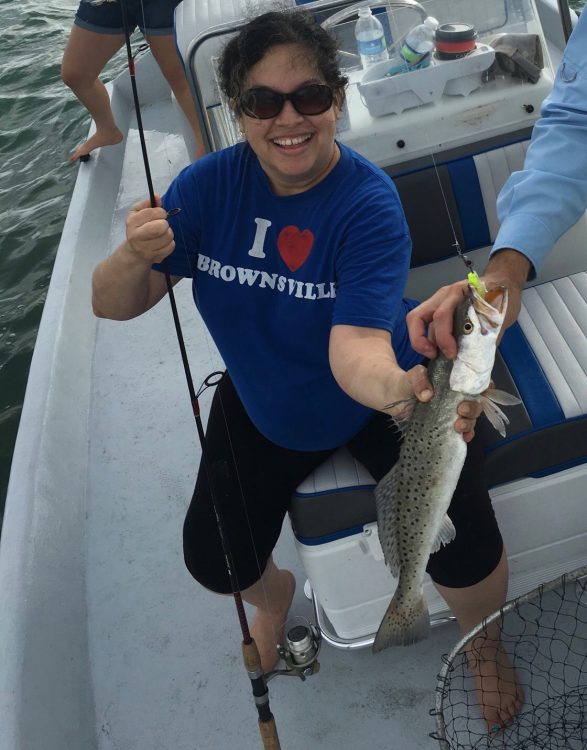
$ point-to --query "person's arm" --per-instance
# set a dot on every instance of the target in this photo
(124, 285)
(365, 367)
(537, 205)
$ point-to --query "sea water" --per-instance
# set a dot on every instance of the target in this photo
(40, 123)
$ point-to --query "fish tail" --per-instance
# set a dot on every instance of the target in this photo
(403, 625)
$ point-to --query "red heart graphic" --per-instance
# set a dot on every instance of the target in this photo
(294, 246)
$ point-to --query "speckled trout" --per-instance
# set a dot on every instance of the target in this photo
(413, 498)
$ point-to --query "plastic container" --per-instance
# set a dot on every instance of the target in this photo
(419, 42)
(454, 40)
(370, 37)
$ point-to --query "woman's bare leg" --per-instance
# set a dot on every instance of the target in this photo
(498, 691)
(86, 54)
(272, 595)
(165, 52)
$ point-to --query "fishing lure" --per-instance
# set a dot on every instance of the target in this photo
(476, 283)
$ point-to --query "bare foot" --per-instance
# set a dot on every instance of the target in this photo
(267, 626)
(499, 693)
(100, 138)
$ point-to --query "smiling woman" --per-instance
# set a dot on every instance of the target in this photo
(297, 289)
(296, 150)
(287, 92)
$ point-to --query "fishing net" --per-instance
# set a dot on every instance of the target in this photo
(545, 634)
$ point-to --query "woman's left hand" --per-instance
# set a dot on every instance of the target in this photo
(468, 412)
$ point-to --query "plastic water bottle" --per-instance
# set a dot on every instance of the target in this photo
(419, 42)
(370, 38)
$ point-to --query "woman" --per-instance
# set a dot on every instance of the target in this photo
(299, 252)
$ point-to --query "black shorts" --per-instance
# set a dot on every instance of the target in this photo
(153, 17)
(253, 497)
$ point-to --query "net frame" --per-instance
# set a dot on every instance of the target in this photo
(553, 620)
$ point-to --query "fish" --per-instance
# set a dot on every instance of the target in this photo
(412, 499)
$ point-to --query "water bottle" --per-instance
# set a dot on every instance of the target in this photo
(419, 42)
(370, 39)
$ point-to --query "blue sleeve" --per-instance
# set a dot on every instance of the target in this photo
(183, 194)
(373, 263)
(537, 205)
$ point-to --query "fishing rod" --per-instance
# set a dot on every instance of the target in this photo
(251, 657)
(302, 640)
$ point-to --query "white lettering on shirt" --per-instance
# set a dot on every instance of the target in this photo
(251, 277)
(257, 249)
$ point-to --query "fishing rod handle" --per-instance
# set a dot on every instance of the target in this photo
(267, 726)
(251, 657)
(269, 734)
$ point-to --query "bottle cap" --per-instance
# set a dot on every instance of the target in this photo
(365, 11)
(456, 32)
(431, 22)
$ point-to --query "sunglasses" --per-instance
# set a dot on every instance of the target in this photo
(263, 103)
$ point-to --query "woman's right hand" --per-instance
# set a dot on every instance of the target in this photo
(149, 238)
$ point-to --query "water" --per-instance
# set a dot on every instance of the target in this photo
(40, 123)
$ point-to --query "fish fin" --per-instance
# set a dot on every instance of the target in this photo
(498, 396)
(384, 502)
(402, 626)
(445, 535)
(401, 421)
(495, 415)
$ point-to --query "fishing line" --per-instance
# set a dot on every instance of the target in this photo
(234, 464)
(193, 267)
(472, 276)
(251, 656)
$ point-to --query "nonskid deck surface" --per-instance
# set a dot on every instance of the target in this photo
(165, 653)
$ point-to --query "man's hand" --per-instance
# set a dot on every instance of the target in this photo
(506, 267)
(436, 314)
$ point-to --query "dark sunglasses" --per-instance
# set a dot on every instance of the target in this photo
(263, 103)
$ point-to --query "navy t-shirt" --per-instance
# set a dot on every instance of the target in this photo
(272, 274)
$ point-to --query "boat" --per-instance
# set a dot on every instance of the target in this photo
(105, 640)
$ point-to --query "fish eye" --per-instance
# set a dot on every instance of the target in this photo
(467, 326)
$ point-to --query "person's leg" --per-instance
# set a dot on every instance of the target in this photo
(499, 694)
(272, 596)
(86, 54)
(471, 574)
(253, 482)
(165, 52)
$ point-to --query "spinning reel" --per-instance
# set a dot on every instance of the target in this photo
(299, 651)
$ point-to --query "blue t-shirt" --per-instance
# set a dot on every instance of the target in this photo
(272, 274)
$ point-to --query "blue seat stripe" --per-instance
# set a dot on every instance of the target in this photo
(539, 398)
(325, 538)
(333, 491)
(469, 200)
